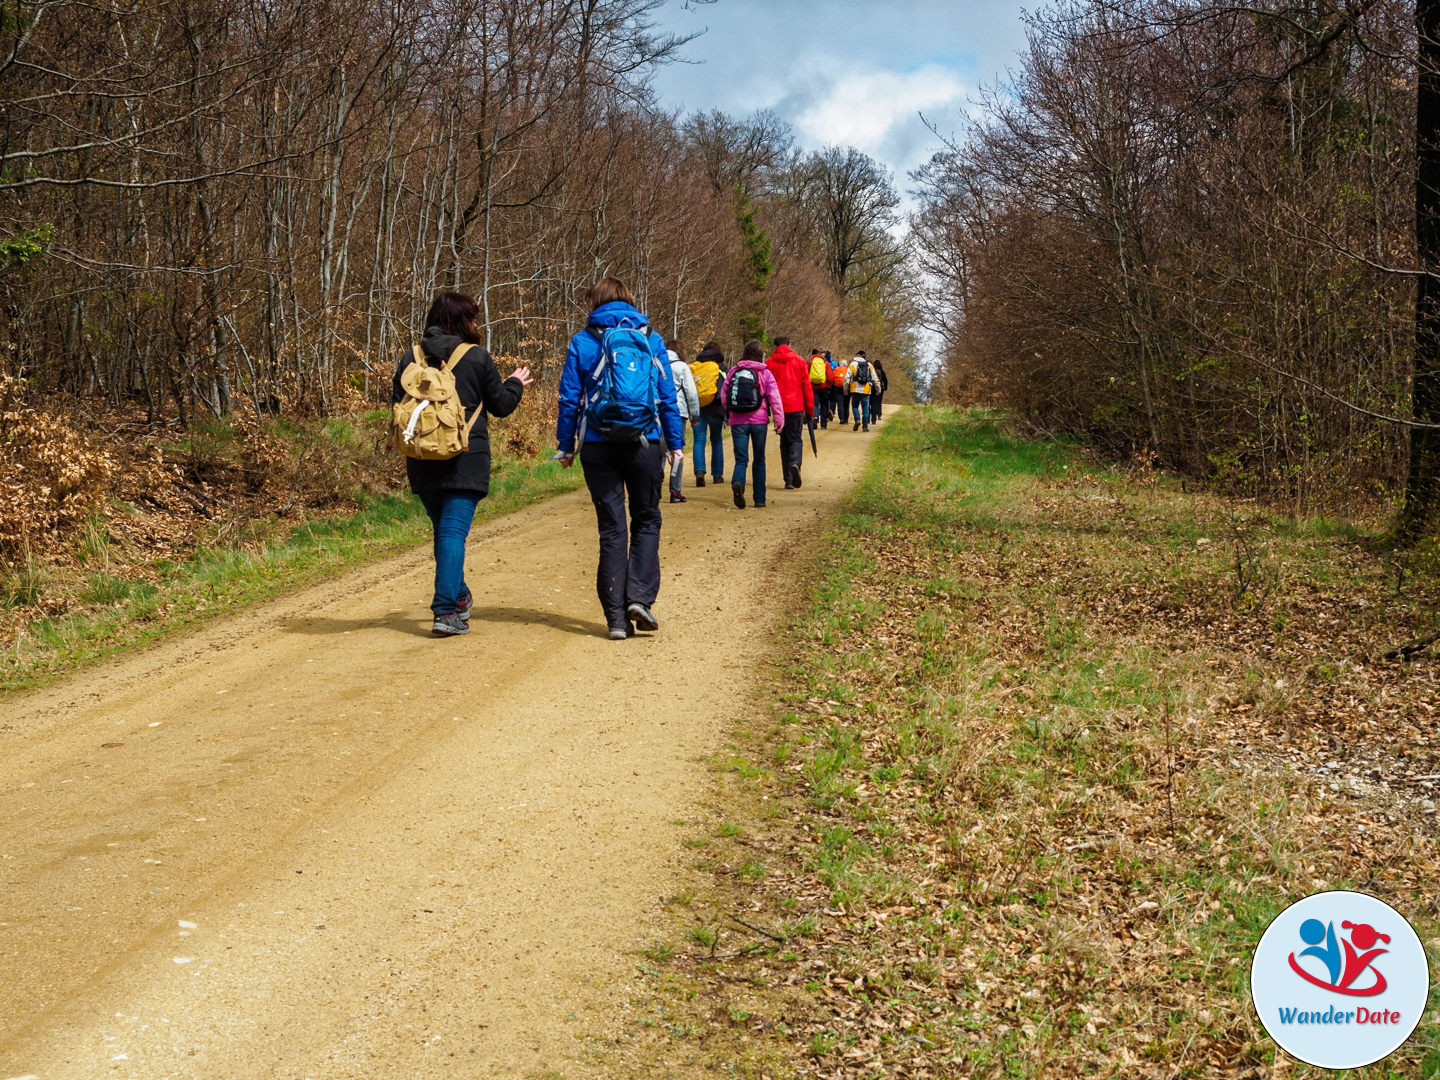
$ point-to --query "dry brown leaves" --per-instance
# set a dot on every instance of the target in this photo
(1090, 751)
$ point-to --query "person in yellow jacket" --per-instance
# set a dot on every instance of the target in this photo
(708, 369)
(859, 380)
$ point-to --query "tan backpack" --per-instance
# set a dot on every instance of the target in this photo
(428, 423)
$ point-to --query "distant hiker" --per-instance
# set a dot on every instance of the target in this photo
(687, 401)
(840, 387)
(753, 401)
(617, 397)
(877, 393)
(834, 383)
(450, 487)
(792, 376)
(820, 385)
(858, 381)
(708, 368)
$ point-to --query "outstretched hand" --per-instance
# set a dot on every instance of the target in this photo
(523, 374)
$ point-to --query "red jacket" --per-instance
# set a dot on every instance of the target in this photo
(792, 375)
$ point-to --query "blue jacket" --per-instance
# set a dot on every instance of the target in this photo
(577, 381)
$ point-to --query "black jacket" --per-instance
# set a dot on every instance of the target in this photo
(476, 380)
(880, 376)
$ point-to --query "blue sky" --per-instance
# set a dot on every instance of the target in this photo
(853, 72)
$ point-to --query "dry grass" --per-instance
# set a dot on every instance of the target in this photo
(1058, 742)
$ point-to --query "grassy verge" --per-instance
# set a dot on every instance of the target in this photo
(115, 610)
(1055, 744)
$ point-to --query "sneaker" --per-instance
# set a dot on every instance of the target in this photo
(738, 490)
(449, 626)
(620, 633)
(699, 479)
(642, 617)
(463, 608)
(795, 476)
(676, 497)
(759, 506)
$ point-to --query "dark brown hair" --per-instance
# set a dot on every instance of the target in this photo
(782, 340)
(754, 350)
(455, 313)
(678, 349)
(606, 291)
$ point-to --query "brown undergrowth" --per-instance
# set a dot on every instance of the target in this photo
(1054, 745)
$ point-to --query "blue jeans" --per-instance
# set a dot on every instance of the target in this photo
(744, 437)
(451, 513)
(711, 427)
(861, 402)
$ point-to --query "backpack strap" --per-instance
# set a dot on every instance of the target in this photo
(455, 355)
(419, 356)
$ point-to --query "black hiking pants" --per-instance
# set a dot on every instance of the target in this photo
(629, 570)
(792, 444)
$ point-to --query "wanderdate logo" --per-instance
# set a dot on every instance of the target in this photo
(1322, 954)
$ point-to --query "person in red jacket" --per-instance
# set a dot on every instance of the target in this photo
(792, 375)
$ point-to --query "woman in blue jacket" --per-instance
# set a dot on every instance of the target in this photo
(628, 578)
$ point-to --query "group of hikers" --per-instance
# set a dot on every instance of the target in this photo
(624, 401)
(782, 389)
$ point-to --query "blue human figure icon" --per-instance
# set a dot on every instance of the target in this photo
(1313, 932)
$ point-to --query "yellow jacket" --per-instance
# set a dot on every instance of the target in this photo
(851, 373)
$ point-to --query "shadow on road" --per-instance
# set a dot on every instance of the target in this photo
(479, 618)
(536, 618)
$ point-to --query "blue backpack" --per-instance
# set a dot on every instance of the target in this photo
(625, 402)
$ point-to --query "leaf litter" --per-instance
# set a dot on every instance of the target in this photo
(1052, 745)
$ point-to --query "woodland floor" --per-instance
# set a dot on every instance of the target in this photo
(1052, 744)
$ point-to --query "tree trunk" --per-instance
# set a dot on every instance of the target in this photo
(1422, 487)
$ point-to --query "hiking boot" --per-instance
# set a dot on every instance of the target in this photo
(738, 490)
(699, 479)
(620, 633)
(796, 476)
(676, 497)
(642, 617)
(865, 428)
(449, 626)
(463, 608)
(717, 479)
(856, 427)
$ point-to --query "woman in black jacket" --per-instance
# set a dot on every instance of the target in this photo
(450, 489)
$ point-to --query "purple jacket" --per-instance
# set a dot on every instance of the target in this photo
(771, 410)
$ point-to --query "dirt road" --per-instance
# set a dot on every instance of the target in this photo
(274, 849)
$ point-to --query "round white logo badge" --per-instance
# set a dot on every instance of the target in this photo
(1339, 980)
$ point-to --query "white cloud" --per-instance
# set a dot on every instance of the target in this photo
(864, 108)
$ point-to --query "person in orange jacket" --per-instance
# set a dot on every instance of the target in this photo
(840, 400)
(820, 386)
(792, 376)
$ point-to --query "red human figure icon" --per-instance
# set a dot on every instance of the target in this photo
(1363, 935)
